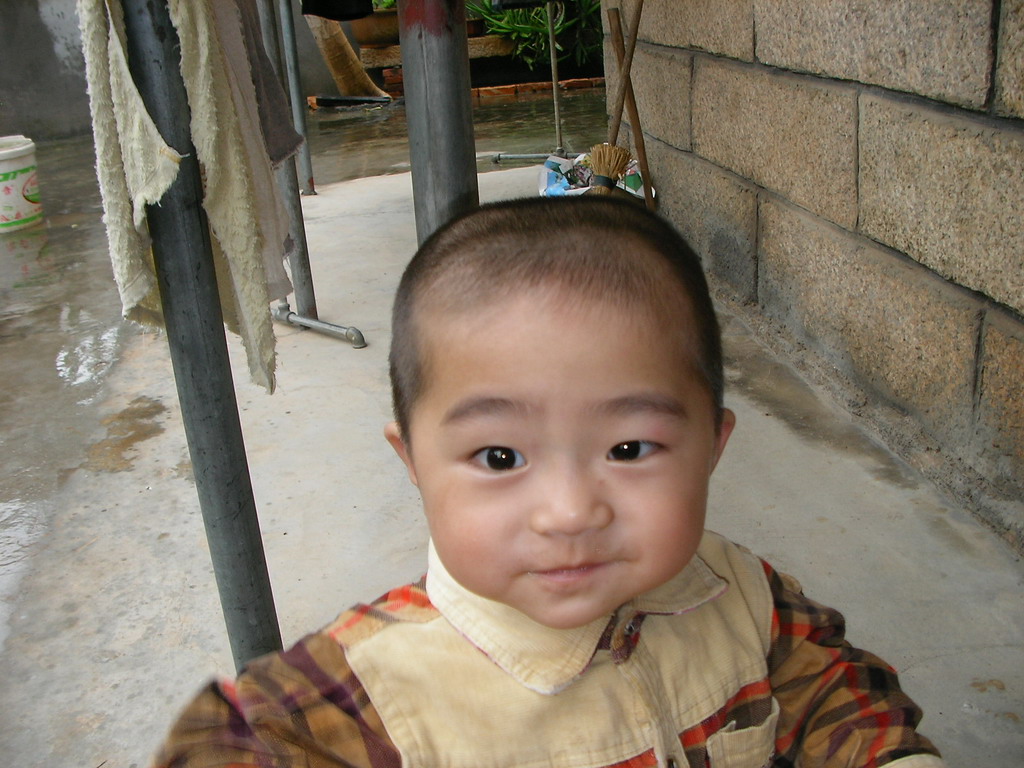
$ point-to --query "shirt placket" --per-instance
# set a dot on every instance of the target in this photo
(637, 665)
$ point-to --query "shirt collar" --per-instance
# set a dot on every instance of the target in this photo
(547, 660)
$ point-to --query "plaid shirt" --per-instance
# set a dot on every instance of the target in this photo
(826, 702)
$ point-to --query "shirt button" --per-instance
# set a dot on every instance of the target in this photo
(672, 763)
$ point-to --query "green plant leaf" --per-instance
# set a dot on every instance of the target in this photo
(578, 31)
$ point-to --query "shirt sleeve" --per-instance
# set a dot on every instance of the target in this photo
(839, 705)
(301, 707)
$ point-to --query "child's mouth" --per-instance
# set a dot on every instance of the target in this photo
(569, 573)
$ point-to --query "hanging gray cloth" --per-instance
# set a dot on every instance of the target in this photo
(280, 136)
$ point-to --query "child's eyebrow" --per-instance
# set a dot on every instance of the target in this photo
(484, 406)
(644, 403)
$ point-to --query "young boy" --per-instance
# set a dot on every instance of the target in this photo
(557, 379)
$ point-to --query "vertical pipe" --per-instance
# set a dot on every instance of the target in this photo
(195, 335)
(268, 28)
(439, 111)
(559, 149)
(298, 259)
(287, 179)
(291, 61)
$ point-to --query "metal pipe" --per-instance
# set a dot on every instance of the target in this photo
(500, 156)
(298, 259)
(195, 334)
(559, 148)
(439, 111)
(282, 312)
(268, 29)
(291, 60)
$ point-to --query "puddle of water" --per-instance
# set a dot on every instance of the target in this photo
(527, 125)
(16, 533)
(92, 350)
(19, 528)
(356, 142)
(125, 430)
(60, 333)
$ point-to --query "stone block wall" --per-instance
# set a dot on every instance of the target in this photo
(852, 173)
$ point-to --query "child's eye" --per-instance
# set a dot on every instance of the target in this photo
(499, 458)
(631, 450)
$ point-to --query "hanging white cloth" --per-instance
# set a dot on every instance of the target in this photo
(133, 164)
(247, 217)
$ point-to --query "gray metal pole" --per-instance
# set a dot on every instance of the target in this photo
(302, 275)
(435, 71)
(298, 259)
(291, 61)
(556, 94)
(268, 28)
(195, 335)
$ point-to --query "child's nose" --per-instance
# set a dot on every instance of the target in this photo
(570, 503)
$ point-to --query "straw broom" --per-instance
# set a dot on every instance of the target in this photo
(608, 163)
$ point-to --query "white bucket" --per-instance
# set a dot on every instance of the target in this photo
(19, 186)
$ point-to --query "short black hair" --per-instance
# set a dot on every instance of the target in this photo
(597, 246)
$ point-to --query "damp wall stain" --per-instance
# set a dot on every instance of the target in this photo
(138, 422)
(783, 394)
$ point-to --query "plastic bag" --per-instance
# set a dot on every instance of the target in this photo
(561, 177)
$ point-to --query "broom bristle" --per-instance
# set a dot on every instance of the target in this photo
(608, 161)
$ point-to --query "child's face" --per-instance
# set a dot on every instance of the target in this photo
(562, 450)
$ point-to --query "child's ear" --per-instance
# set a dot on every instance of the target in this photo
(394, 436)
(726, 428)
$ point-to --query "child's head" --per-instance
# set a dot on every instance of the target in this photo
(557, 379)
(591, 246)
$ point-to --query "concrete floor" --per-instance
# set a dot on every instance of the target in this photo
(112, 617)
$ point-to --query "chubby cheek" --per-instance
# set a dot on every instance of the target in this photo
(671, 532)
(685, 545)
(473, 542)
(675, 537)
(474, 563)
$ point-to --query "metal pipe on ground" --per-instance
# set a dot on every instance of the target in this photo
(439, 110)
(499, 157)
(354, 336)
(195, 335)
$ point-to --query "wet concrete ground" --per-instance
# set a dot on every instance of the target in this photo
(60, 335)
(112, 619)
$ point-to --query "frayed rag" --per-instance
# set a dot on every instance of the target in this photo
(247, 217)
